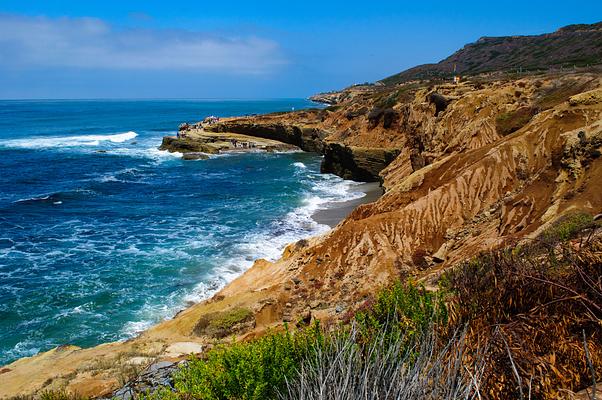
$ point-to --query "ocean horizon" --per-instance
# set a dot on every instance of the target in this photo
(103, 235)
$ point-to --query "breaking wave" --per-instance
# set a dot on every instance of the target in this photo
(67, 141)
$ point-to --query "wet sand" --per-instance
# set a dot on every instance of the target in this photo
(336, 212)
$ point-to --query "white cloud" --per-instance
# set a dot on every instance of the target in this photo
(92, 43)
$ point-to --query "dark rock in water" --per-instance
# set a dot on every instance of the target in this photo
(156, 376)
(194, 156)
(186, 145)
(356, 163)
(101, 151)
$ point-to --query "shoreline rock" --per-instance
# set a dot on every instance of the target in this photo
(195, 143)
(194, 156)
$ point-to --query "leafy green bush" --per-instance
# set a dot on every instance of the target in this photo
(260, 369)
(246, 370)
(401, 310)
(567, 227)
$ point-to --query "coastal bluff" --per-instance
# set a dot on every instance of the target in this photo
(284, 132)
(466, 168)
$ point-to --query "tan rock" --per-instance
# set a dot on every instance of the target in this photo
(183, 348)
(587, 98)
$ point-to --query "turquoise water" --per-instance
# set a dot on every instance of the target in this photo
(102, 235)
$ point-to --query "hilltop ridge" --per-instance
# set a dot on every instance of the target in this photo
(574, 45)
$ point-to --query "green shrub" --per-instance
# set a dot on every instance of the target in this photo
(246, 370)
(401, 310)
(567, 227)
(222, 324)
(260, 369)
(387, 101)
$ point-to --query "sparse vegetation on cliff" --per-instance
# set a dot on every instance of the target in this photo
(223, 323)
(269, 367)
(539, 309)
(521, 322)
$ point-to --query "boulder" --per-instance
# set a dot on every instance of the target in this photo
(441, 254)
(156, 376)
(194, 156)
(183, 348)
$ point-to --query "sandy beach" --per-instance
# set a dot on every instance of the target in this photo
(336, 212)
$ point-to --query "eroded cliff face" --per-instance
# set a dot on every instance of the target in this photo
(466, 168)
(463, 189)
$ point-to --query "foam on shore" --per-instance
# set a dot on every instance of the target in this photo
(327, 194)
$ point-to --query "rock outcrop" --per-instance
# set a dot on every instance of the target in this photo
(307, 138)
(196, 142)
(356, 163)
(303, 131)
(157, 376)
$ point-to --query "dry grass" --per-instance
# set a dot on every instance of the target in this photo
(540, 309)
(427, 369)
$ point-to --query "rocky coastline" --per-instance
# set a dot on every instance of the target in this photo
(465, 168)
(199, 141)
(276, 132)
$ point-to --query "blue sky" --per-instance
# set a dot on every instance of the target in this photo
(235, 49)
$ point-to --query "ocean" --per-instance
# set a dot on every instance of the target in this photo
(102, 235)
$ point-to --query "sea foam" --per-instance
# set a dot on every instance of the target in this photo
(68, 141)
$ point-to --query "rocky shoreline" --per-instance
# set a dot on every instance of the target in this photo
(275, 132)
(496, 162)
(199, 141)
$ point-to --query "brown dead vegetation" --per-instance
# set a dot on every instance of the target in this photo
(537, 309)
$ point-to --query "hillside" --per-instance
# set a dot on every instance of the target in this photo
(573, 45)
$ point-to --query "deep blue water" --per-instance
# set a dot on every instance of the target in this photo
(102, 235)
